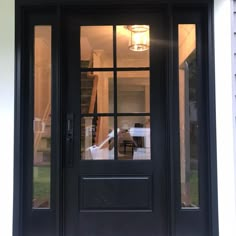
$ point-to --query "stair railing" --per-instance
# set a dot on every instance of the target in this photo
(43, 121)
(98, 126)
(94, 92)
(94, 96)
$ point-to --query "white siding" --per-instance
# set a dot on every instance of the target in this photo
(234, 38)
(233, 7)
(234, 56)
(6, 114)
(225, 115)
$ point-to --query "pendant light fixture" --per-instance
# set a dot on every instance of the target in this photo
(139, 40)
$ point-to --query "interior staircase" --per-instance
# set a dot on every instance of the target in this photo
(42, 147)
(42, 162)
(88, 92)
(42, 137)
(89, 82)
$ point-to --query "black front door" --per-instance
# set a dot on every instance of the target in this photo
(115, 170)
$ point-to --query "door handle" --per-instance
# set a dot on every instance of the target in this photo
(69, 140)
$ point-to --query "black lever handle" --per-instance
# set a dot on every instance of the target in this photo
(69, 140)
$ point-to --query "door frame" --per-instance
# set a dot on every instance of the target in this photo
(25, 12)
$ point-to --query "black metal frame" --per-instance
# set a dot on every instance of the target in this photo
(49, 222)
(201, 214)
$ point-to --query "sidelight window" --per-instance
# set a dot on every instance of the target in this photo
(188, 115)
(42, 117)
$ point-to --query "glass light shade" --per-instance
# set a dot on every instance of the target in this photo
(138, 28)
(139, 41)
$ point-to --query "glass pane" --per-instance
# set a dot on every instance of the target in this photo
(96, 44)
(188, 115)
(133, 91)
(96, 135)
(42, 117)
(132, 45)
(96, 92)
(134, 138)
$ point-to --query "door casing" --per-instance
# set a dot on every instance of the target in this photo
(26, 221)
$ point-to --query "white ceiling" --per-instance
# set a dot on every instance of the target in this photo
(101, 38)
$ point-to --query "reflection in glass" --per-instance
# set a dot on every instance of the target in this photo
(42, 117)
(96, 136)
(130, 58)
(96, 92)
(133, 91)
(188, 115)
(96, 44)
(133, 141)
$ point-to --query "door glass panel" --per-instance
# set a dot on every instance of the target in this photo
(133, 138)
(114, 91)
(42, 117)
(133, 91)
(188, 115)
(96, 44)
(97, 133)
(132, 45)
(96, 92)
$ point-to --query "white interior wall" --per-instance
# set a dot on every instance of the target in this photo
(224, 118)
(6, 114)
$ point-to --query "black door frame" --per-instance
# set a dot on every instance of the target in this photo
(24, 221)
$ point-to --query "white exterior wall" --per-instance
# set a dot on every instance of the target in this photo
(225, 111)
(6, 114)
(225, 120)
(233, 34)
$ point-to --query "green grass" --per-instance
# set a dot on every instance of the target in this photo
(42, 184)
(194, 189)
